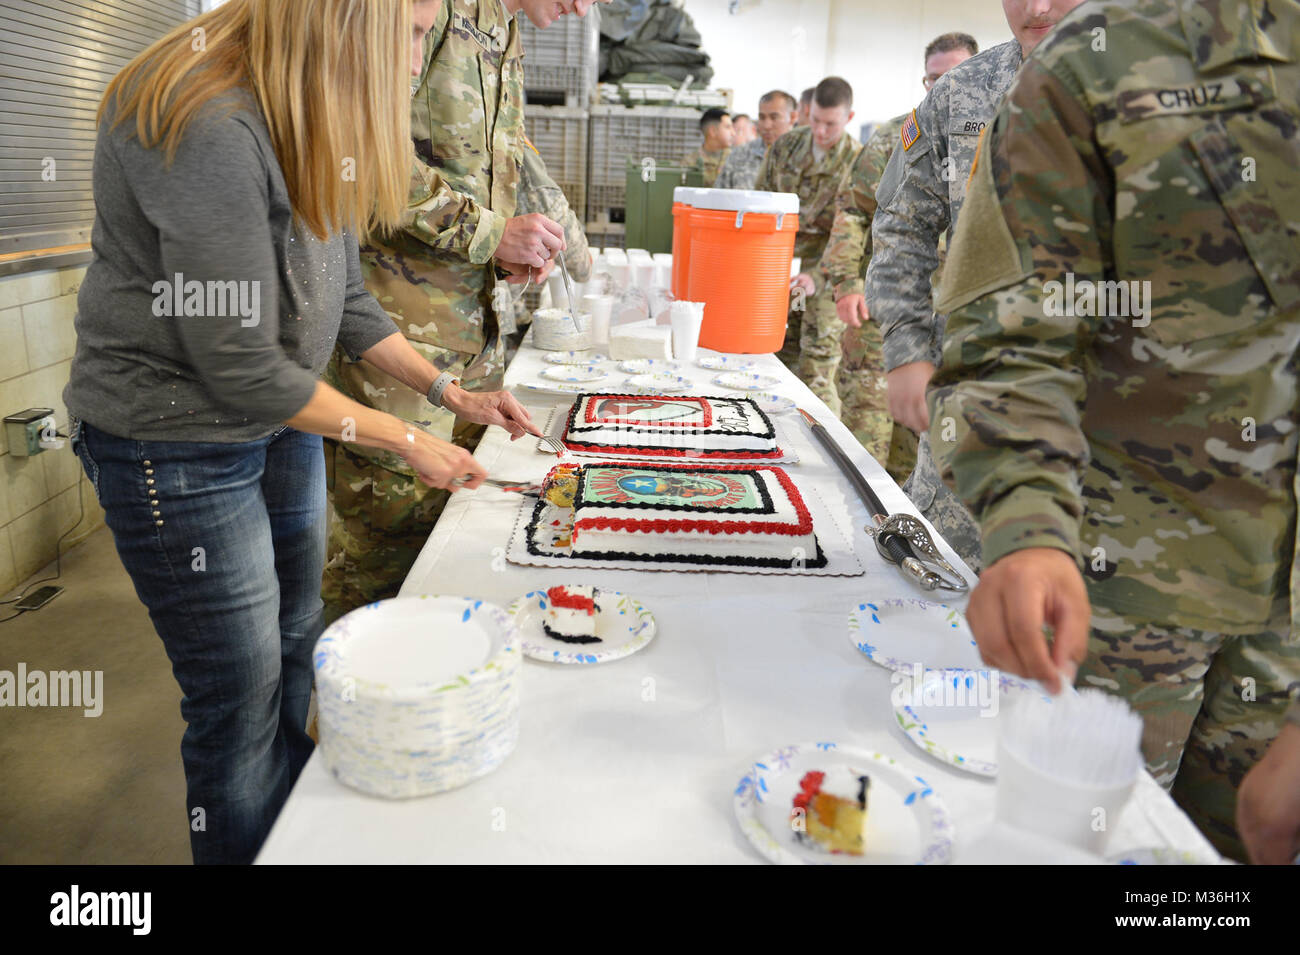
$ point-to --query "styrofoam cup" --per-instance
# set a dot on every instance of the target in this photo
(1077, 814)
(599, 308)
(686, 319)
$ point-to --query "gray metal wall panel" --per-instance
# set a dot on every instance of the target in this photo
(56, 57)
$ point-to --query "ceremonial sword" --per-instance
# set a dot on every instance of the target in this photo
(900, 538)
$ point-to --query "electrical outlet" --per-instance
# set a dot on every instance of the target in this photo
(31, 432)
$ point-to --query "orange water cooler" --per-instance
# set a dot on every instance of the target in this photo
(737, 262)
(683, 200)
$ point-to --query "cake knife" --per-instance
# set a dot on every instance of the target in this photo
(901, 539)
(568, 290)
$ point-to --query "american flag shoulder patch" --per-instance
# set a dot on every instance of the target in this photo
(911, 131)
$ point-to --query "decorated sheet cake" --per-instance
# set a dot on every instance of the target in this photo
(697, 514)
(670, 426)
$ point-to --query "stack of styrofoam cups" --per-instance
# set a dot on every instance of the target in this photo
(418, 695)
(1067, 766)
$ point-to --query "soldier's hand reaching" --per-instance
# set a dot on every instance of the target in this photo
(804, 281)
(906, 385)
(852, 310)
(1015, 597)
(1268, 802)
(531, 240)
(500, 408)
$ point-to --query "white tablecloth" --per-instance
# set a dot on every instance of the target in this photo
(637, 760)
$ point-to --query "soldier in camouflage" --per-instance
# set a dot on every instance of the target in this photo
(708, 160)
(920, 196)
(812, 161)
(861, 381)
(1120, 387)
(776, 112)
(436, 278)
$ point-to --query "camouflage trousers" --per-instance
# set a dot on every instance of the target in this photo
(1210, 705)
(380, 522)
(864, 401)
(812, 345)
(942, 507)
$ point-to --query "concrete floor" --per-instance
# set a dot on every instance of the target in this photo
(109, 789)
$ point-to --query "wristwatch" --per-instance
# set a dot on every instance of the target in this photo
(439, 386)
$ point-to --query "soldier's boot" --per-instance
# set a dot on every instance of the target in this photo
(943, 508)
(820, 349)
(860, 383)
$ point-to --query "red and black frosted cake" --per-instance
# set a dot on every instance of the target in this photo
(670, 426)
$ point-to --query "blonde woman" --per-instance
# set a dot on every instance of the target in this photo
(238, 159)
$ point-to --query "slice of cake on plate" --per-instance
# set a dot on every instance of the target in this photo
(670, 426)
(572, 614)
(829, 812)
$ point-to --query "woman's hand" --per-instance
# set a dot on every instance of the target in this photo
(440, 464)
(490, 407)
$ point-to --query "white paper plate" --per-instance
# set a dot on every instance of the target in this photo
(726, 363)
(647, 366)
(746, 381)
(574, 357)
(576, 373)
(767, 401)
(906, 822)
(953, 715)
(899, 632)
(659, 382)
(555, 387)
(624, 626)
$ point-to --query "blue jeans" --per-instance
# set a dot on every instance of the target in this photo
(225, 544)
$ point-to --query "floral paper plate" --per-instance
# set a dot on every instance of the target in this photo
(901, 633)
(767, 401)
(658, 382)
(746, 381)
(576, 373)
(906, 821)
(624, 626)
(555, 387)
(574, 357)
(648, 366)
(952, 715)
(726, 363)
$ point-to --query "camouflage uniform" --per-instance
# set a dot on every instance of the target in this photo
(740, 171)
(813, 332)
(539, 193)
(1155, 443)
(435, 278)
(707, 162)
(861, 381)
(920, 196)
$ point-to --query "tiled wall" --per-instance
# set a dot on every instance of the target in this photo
(40, 496)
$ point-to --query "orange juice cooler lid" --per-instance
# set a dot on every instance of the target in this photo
(740, 200)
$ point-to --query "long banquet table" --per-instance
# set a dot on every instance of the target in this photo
(637, 760)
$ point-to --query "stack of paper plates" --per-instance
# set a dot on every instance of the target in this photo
(418, 695)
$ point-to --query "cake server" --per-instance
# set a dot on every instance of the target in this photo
(568, 290)
(900, 538)
(516, 487)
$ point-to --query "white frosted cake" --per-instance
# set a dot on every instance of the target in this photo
(700, 514)
(670, 426)
(572, 614)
